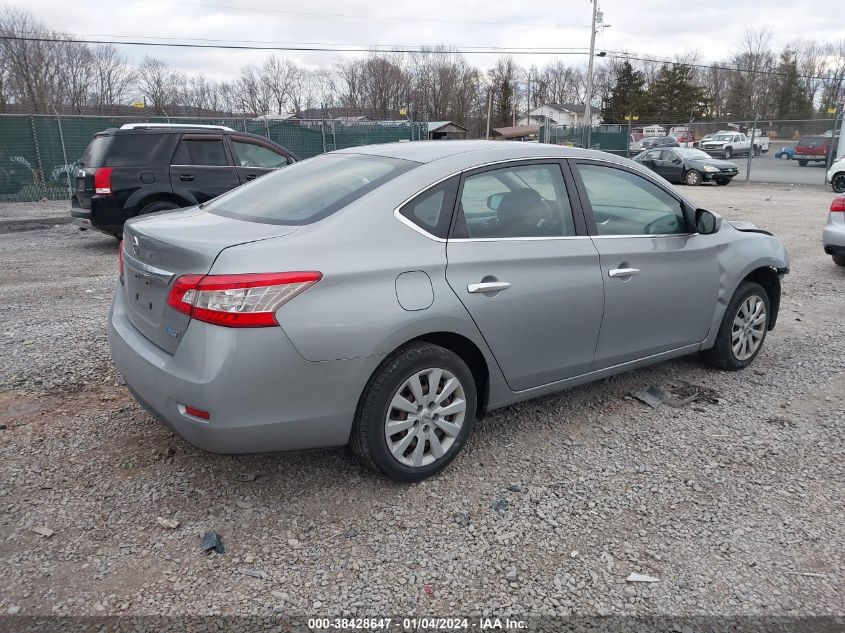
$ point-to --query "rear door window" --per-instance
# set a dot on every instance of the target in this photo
(432, 209)
(200, 151)
(309, 190)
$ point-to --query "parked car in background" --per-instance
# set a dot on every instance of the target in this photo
(685, 139)
(143, 168)
(664, 141)
(833, 236)
(836, 175)
(317, 306)
(787, 152)
(687, 165)
(647, 142)
(727, 144)
(812, 149)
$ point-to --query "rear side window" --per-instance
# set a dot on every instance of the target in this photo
(124, 150)
(432, 209)
(200, 152)
(255, 155)
(309, 190)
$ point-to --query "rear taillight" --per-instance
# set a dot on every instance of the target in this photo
(249, 300)
(120, 260)
(838, 205)
(102, 181)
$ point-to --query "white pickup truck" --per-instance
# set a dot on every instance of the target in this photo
(727, 144)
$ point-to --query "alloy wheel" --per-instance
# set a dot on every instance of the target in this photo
(839, 183)
(425, 417)
(749, 328)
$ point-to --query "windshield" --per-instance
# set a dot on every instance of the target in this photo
(692, 153)
(309, 190)
(723, 137)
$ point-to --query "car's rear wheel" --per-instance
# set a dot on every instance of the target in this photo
(839, 260)
(692, 177)
(743, 329)
(416, 413)
(802, 163)
(838, 182)
(158, 205)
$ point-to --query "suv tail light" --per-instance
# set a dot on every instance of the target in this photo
(838, 205)
(102, 181)
(249, 300)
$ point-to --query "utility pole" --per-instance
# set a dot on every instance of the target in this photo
(489, 109)
(751, 148)
(588, 118)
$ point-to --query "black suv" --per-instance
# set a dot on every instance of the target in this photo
(146, 167)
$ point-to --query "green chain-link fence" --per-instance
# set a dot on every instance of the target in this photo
(608, 138)
(38, 152)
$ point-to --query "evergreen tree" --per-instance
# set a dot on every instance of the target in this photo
(626, 95)
(791, 100)
(674, 94)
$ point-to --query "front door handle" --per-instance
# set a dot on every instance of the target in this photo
(623, 272)
(186, 177)
(251, 176)
(488, 286)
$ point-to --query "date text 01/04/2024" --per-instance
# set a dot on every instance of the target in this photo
(417, 624)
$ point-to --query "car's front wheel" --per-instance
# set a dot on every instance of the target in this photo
(728, 153)
(692, 177)
(416, 413)
(743, 329)
(838, 182)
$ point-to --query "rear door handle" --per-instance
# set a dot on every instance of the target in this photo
(623, 272)
(186, 177)
(488, 286)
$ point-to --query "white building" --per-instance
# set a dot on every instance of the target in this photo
(559, 114)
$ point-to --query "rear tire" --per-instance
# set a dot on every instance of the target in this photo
(158, 205)
(839, 260)
(743, 329)
(838, 182)
(692, 177)
(802, 163)
(399, 429)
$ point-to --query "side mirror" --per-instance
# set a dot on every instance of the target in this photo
(494, 201)
(707, 222)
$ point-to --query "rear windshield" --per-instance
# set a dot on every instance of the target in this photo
(309, 190)
(125, 150)
(806, 140)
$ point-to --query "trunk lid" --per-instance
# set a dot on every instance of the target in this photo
(159, 248)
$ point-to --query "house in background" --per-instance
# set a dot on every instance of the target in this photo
(559, 114)
(438, 130)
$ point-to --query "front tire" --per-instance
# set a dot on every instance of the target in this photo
(416, 413)
(728, 153)
(692, 177)
(743, 329)
(838, 182)
(839, 260)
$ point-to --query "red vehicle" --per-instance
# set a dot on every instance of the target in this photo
(812, 148)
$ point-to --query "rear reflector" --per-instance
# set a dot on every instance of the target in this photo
(197, 413)
(249, 300)
(838, 205)
(102, 181)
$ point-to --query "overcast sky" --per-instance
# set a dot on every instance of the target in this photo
(651, 27)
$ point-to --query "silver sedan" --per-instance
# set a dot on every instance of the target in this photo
(387, 296)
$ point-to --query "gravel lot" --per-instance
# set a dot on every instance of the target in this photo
(735, 502)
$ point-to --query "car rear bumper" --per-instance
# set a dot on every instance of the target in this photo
(262, 396)
(833, 235)
(105, 214)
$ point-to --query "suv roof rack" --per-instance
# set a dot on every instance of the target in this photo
(141, 126)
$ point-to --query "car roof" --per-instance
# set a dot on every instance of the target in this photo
(430, 151)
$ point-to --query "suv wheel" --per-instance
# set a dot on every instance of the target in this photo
(728, 153)
(416, 413)
(743, 329)
(158, 205)
(802, 163)
(838, 182)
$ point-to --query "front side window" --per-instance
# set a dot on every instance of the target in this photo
(627, 204)
(520, 201)
(200, 152)
(309, 190)
(254, 155)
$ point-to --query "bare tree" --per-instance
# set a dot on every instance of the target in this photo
(159, 84)
(113, 77)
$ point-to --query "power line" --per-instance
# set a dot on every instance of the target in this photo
(322, 49)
